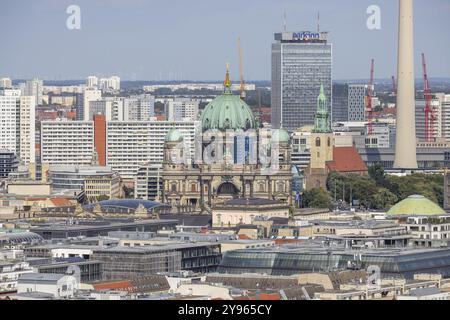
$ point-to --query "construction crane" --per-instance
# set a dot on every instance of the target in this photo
(241, 70)
(394, 85)
(369, 108)
(429, 112)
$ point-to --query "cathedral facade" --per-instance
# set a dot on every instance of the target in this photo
(233, 159)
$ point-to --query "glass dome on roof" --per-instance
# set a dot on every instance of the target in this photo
(131, 204)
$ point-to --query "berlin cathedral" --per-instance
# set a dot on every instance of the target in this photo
(238, 169)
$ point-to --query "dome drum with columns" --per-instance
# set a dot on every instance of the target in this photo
(239, 173)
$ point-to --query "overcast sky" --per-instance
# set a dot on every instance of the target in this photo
(193, 39)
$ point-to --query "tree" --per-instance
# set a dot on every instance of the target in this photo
(316, 198)
(376, 172)
(383, 199)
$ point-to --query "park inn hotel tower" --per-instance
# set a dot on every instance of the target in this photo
(301, 63)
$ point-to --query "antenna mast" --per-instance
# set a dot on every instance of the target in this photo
(241, 70)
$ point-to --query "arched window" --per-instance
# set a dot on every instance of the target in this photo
(261, 187)
(329, 142)
(317, 142)
(173, 187)
(193, 187)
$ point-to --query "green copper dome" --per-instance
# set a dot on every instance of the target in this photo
(173, 135)
(416, 205)
(280, 135)
(227, 111)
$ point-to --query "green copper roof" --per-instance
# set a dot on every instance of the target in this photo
(227, 111)
(322, 118)
(416, 205)
(173, 135)
(280, 135)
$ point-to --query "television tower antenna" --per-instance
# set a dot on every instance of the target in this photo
(284, 21)
(318, 21)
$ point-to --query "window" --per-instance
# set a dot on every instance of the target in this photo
(317, 142)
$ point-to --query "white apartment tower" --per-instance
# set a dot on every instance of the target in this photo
(17, 129)
(90, 94)
(34, 88)
(182, 110)
(91, 81)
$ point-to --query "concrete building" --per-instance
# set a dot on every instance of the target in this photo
(103, 186)
(243, 211)
(357, 102)
(134, 143)
(301, 62)
(148, 182)
(62, 231)
(17, 132)
(132, 262)
(60, 286)
(5, 83)
(10, 271)
(89, 94)
(91, 81)
(139, 108)
(111, 84)
(70, 177)
(8, 163)
(181, 109)
(436, 126)
(34, 88)
(67, 142)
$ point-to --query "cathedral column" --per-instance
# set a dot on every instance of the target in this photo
(202, 191)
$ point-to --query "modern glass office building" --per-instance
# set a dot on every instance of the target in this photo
(301, 62)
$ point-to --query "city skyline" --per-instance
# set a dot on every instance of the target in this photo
(143, 49)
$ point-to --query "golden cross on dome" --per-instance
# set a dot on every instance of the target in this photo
(227, 82)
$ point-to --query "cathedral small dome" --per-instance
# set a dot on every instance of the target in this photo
(280, 135)
(173, 135)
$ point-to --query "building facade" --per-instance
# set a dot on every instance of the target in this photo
(228, 161)
(301, 62)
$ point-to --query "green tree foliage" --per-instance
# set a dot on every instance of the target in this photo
(380, 191)
(316, 198)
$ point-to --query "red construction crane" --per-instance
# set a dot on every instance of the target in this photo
(429, 112)
(394, 85)
(369, 108)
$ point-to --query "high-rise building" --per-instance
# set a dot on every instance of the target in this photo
(17, 129)
(123, 145)
(67, 142)
(182, 109)
(444, 100)
(148, 182)
(340, 102)
(139, 108)
(131, 144)
(5, 83)
(435, 126)
(91, 81)
(301, 62)
(89, 94)
(34, 88)
(111, 84)
(357, 102)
